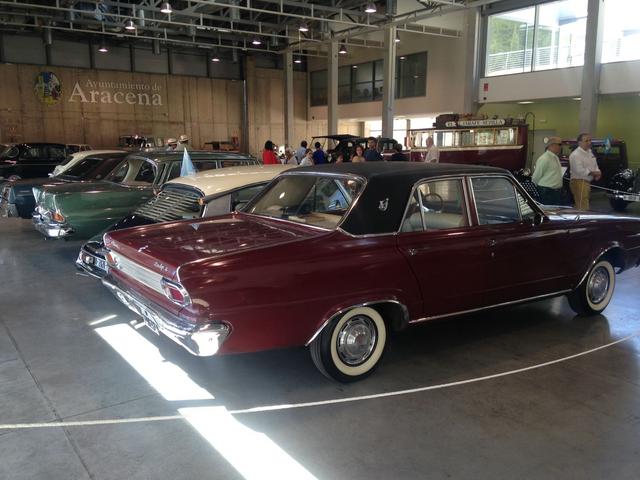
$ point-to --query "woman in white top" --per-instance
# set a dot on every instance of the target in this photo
(308, 159)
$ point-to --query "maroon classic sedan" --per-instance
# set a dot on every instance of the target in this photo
(336, 256)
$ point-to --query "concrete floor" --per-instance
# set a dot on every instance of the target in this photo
(575, 419)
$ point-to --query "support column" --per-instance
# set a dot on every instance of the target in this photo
(332, 88)
(289, 119)
(591, 69)
(389, 81)
(472, 74)
(250, 144)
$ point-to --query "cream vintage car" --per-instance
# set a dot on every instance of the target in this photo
(206, 194)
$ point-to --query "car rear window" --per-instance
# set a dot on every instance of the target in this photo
(317, 200)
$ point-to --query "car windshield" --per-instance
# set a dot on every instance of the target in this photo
(316, 200)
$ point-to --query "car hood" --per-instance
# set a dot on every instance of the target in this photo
(165, 247)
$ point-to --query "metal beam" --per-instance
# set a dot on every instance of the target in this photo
(332, 88)
(389, 81)
(289, 119)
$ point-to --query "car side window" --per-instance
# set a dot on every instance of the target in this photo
(526, 212)
(56, 153)
(436, 205)
(496, 200)
(34, 152)
(120, 174)
(241, 197)
(146, 174)
(218, 206)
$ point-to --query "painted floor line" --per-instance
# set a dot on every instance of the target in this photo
(334, 401)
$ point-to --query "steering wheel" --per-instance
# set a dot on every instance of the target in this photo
(433, 202)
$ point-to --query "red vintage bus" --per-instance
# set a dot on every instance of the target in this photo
(496, 142)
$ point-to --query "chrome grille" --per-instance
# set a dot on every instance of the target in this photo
(172, 203)
(139, 273)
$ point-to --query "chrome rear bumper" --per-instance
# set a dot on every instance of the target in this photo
(49, 228)
(199, 340)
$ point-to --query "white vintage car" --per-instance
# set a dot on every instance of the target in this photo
(206, 194)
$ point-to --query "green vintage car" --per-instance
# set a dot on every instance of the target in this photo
(82, 210)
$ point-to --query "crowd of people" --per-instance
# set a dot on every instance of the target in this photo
(305, 156)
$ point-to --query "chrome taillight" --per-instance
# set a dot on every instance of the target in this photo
(175, 292)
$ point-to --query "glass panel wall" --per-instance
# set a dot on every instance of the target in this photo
(560, 34)
(363, 82)
(540, 37)
(621, 31)
(510, 42)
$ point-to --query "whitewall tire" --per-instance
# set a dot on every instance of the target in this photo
(350, 347)
(594, 294)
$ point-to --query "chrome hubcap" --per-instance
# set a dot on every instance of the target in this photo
(356, 340)
(598, 285)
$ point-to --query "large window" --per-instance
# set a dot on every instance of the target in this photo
(621, 31)
(541, 37)
(318, 88)
(363, 82)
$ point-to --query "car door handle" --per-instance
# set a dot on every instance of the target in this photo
(417, 250)
(493, 242)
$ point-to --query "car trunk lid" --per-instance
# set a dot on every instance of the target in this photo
(164, 248)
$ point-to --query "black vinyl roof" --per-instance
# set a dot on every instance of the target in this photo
(389, 184)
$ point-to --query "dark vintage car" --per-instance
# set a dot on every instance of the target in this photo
(17, 198)
(335, 257)
(345, 145)
(624, 189)
(205, 194)
(30, 160)
(85, 209)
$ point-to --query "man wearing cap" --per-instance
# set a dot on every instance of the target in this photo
(584, 169)
(172, 144)
(547, 173)
(183, 141)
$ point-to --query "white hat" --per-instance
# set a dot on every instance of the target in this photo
(171, 141)
(183, 138)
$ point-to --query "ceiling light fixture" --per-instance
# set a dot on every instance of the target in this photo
(403, 58)
(526, 102)
(297, 60)
(343, 49)
(166, 8)
(397, 37)
(130, 25)
(370, 8)
(256, 41)
(103, 48)
(303, 27)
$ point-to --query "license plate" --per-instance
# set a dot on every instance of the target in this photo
(631, 198)
(101, 264)
(95, 261)
(149, 320)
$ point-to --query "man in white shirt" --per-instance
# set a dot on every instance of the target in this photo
(584, 169)
(433, 154)
(301, 152)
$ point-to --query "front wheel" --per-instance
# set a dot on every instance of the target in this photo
(349, 347)
(594, 294)
(618, 204)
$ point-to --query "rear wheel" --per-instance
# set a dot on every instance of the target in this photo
(594, 294)
(349, 347)
(618, 204)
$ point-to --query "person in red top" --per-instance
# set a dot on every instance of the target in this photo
(268, 155)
